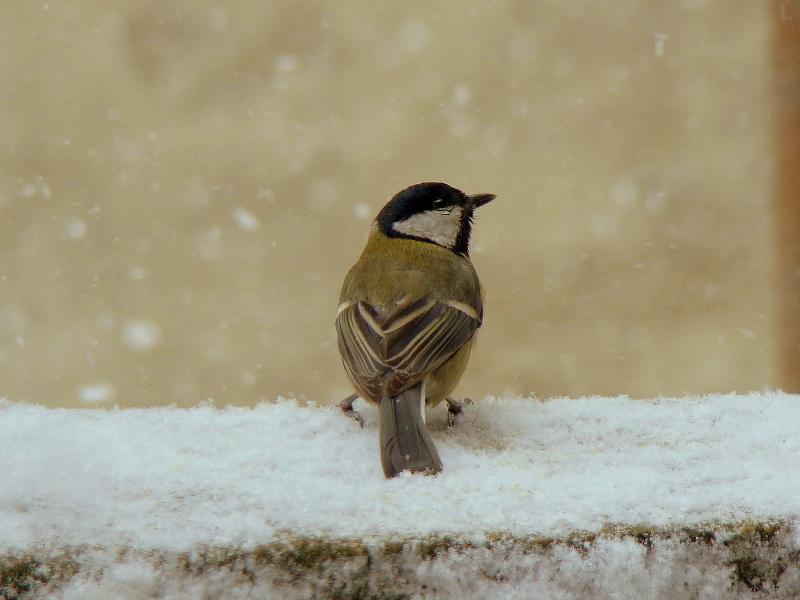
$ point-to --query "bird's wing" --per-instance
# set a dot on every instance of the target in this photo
(398, 349)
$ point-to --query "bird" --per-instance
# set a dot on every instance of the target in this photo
(407, 317)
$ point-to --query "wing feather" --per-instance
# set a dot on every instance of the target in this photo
(394, 351)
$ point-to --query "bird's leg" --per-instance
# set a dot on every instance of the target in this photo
(455, 408)
(347, 408)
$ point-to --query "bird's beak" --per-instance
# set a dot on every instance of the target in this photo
(481, 199)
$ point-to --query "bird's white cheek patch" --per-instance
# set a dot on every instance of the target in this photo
(438, 227)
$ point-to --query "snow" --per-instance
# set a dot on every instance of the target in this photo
(462, 95)
(286, 63)
(660, 41)
(625, 191)
(362, 211)
(76, 229)
(141, 335)
(96, 393)
(37, 187)
(414, 36)
(266, 194)
(137, 273)
(245, 219)
(177, 479)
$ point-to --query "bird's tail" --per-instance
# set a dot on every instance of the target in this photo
(406, 444)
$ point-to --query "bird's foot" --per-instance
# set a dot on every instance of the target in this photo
(347, 408)
(455, 408)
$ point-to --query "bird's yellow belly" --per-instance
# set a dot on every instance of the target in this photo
(442, 381)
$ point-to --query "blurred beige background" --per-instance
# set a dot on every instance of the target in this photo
(183, 185)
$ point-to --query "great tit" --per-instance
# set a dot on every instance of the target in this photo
(407, 317)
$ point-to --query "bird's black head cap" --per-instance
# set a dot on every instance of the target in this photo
(430, 197)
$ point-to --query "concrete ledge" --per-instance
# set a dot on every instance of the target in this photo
(288, 500)
(737, 560)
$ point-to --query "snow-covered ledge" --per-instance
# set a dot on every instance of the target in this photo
(691, 497)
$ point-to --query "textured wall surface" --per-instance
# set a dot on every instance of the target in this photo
(183, 185)
(786, 42)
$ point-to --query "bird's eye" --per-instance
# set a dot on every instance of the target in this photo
(438, 203)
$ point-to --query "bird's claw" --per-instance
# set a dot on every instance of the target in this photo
(347, 408)
(356, 416)
(455, 408)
